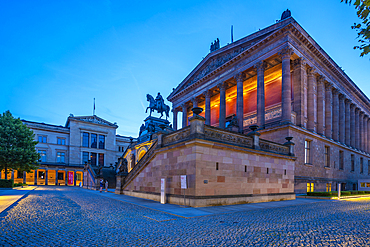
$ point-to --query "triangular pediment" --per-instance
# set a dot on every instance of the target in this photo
(91, 119)
(222, 56)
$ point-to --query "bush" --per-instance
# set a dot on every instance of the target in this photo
(354, 192)
(6, 183)
(361, 192)
(345, 193)
(319, 193)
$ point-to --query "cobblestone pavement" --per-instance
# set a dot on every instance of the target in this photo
(67, 216)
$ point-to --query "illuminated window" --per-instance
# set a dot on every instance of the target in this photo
(78, 176)
(327, 156)
(101, 159)
(93, 159)
(85, 139)
(328, 187)
(20, 175)
(310, 187)
(43, 155)
(61, 141)
(61, 157)
(362, 185)
(307, 152)
(42, 139)
(341, 160)
(367, 185)
(352, 163)
(41, 174)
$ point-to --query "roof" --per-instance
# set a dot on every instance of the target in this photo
(90, 119)
(53, 127)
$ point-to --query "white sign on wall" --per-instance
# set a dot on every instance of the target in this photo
(163, 188)
(183, 182)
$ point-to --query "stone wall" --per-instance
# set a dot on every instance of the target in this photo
(316, 172)
(217, 174)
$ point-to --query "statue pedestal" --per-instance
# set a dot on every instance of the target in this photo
(120, 181)
(152, 125)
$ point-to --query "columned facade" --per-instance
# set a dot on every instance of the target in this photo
(347, 122)
(240, 77)
(311, 100)
(260, 66)
(335, 114)
(207, 95)
(342, 125)
(286, 93)
(222, 113)
(328, 110)
(320, 105)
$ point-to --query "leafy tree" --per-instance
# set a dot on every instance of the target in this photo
(17, 145)
(363, 29)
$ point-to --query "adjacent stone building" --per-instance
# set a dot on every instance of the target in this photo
(280, 79)
(65, 149)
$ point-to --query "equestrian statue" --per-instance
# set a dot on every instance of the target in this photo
(158, 105)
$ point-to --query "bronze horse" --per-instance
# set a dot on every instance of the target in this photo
(153, 106)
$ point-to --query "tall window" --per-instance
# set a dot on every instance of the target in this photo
(101, 141)
(85, 139)
(368, 167)
(61, 141)
(101, 159)
(361, 165)
(352, 163)
(310, 187)
(42, 139)
(307, 152)
(85, 157)
(61, 157)
(93, 159)
(43, 155)
(341, 160)
(94, 141)
(328, 187)
(327, 156)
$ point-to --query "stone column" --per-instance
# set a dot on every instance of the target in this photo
(366, 118)
(368, 136)
(24, 177)
(56, 177)
(353, 125)
(361, 134)
(174, 111)
(207, 94)
(222, 115)
(328, 110)
(335, 114)
(46, 177)
(35, 178)
(184, 115)
(260, 66)
(311, 95)
(357, 128)
(75, 177)
(12, 175)
(347, 122)
(299, 79)
(342, 120)
(240, 77)
(286, 94)
(320, 105)
(195, 102)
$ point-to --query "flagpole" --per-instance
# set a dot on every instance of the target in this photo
(94, 108)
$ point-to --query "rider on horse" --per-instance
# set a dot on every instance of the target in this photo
(159, 101)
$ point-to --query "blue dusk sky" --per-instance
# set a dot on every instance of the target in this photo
(56, 56)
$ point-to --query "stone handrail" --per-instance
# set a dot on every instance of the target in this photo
(176, 136)
(140, 163)
(273, 147)
(216, 134)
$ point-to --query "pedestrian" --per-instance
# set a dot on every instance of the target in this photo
(106, 185)
(101, 185)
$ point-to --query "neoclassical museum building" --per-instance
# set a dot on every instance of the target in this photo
(280, 79)
(64, 150)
